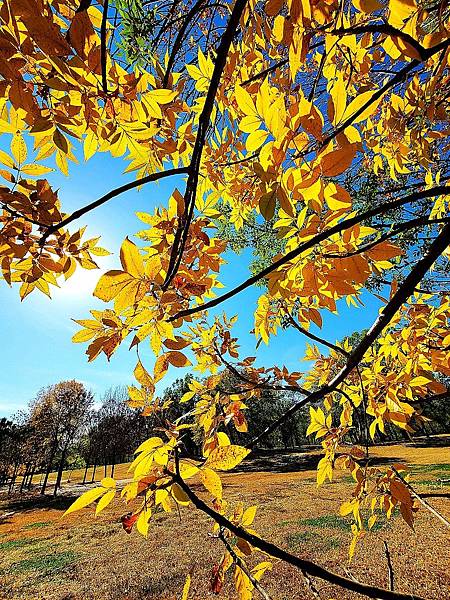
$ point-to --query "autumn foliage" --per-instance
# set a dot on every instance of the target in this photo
(327, 120)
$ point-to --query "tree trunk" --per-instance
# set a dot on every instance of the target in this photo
(85, 472)
(49, 465)
(93, 473)
(13, 478)
(113, 465)
(60, 472)
(30, 479)
(24, 477)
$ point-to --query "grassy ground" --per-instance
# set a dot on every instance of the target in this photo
(82, 557)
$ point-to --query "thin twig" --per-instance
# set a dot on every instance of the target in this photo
(305, 565)
(424, 503)
(389, 566)
(241, 564)
(112, 194)
(312, 588)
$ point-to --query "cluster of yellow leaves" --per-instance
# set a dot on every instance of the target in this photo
(142, 306)
(298, 105)
(402, 368)
(242, 550)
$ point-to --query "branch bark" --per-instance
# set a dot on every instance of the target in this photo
(424, 503)
(304, 565)
(203, 124)
(320, 237)
(403, 292)
(112, 194)
(103, 49)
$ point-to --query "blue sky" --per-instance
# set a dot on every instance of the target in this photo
(36, 347)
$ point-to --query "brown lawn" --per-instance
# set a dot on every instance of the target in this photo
(81, 557)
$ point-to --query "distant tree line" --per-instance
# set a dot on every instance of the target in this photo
(62, 430)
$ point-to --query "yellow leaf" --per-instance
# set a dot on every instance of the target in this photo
(255, 140)
(367, 6)
(108, 482)
(162, 96)
(187, 585)
(83, 336)
(160, 368)
(142, 375)
(110, 284)
(245, 101)
(346, 508)
(324, 470)
(35, 170)
(419, 381)
(339, 95)
(359, 102)
(249, 516)
(151, 443)
(249, 124)
(225, 458)
(131, 259)
(142, 522)
(85, 499)
(6, 160)
(104, 501)
(212, 482)
(19, 148)
(90, 145)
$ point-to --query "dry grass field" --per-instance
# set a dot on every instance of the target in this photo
(80, 557)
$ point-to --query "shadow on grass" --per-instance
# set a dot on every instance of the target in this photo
(31, 502)
(293, 462)
(431, 442)
(280, 463)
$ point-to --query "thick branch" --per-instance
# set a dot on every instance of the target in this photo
(112, 194)
(304, 565)
(103, 51)
(203, 124)
(320, 237)
(403, 292)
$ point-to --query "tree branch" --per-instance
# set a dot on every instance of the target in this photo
(304, 565)
(179, 40)
(389, 565)
(384, 29)
(424, 503)
(103, 51)
(112, 194)
(403, 292)
(315, 338)
(203, 124)
(320, 237)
